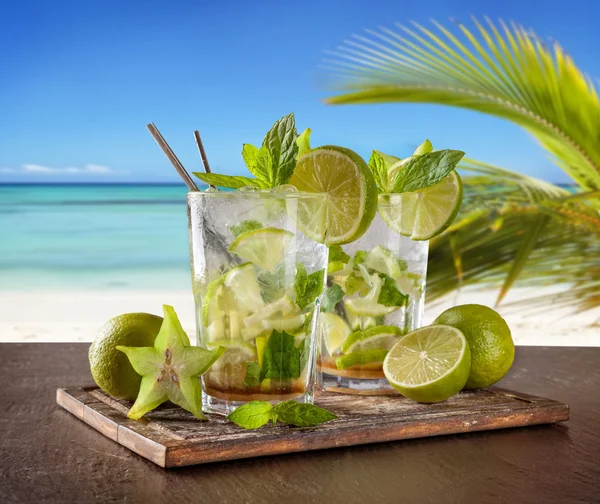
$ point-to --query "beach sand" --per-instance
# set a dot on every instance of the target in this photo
(61, 316)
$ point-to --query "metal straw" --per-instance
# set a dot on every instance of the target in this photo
(202, 152)
(162, 143)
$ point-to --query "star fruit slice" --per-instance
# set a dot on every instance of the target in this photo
(170, 369)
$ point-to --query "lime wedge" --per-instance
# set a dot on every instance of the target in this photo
(380, 337)
(289, 323)
(264, 247)
(430, 364)
(426, 213)
(230, 370)
(351, 202)
(243, 288)
(210, 302)
(359, 323)
(360, 358)
(334, 330)
(385, 261)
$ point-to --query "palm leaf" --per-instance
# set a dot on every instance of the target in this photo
(504, 71)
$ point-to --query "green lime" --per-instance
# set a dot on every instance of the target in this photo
(360, 358)
(334, 330)
(110, 368)
(351, 202)
(492, 347)
(380, 337)
(385, 261)
(264, 247)
(426, 213)
(430, 364)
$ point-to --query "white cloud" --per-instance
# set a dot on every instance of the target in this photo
(87, 169)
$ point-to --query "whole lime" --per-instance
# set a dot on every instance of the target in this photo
(110, 368)
(492, 347)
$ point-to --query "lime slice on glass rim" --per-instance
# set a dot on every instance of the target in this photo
(351, 202)
(380, 337)
(265, 247)
(334, 330)
(426, 213)
(430, 364)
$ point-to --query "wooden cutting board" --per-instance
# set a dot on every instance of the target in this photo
(170, 436)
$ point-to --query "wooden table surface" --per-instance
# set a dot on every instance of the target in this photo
(48, 456)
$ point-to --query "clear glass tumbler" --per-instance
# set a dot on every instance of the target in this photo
(257, 280)
(375, 294)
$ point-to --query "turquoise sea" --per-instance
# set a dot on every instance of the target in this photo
(93, 237)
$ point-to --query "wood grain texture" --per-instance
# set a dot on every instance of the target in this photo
(170, 436)
(51, 457)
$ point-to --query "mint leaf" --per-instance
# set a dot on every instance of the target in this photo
(252, 415)
(282, 146)
(424, 148)
(336, 253)
(303, 142)
(260, 164)
(229, 181)
(331, 297)
(281, 360)
(302, 414)
(379, 170)
(426, 170)
(390, 295)
(308, 287)
(273, 284)
(253, 372)
(245, 226)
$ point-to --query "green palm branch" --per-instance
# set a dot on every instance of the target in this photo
(511, 227)
(506, 72)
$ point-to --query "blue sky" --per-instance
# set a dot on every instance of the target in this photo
(79, 80)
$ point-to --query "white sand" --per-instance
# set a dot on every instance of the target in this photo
(76, 316)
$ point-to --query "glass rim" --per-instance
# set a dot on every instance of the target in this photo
(254, 194)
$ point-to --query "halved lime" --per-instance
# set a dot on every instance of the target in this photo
(360, 358)
(351, 202)
(334, 330)
(264, 247)
(380, 337)
(426, 213)
(430, 364)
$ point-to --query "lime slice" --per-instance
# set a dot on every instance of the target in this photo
(230, 370)
(334, 330)
(243, 288)
(289, 323)
(361, 358)
(281, 308)
(351, 202)
(210, 302)
(358, 323)
(430, 364)
(367, 307)
(385, 261)
(380, 337)
(426, 213)
(264, 247)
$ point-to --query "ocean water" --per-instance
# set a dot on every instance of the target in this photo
(93, 237)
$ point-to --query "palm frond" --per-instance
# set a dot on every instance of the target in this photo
(517, 230)
(505, 71)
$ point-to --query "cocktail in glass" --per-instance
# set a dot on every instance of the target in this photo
(257, 280)
(375, 294)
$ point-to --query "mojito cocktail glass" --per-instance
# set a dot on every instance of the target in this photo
(376, 291)
(256, 280)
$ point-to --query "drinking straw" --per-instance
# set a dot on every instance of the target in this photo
(202, 152)
(162, 143)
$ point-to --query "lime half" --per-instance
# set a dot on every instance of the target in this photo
(351, 202)
(380, 337)
(426, 213)
(264, 247)
(430, 364)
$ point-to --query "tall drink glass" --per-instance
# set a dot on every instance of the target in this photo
(382, 279)
(256, 280)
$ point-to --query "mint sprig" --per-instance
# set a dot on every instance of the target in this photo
(331, 297)
(255, 414)
(390, 295)
(281, 360)
(307, 287)
(272, 165)
(425, 170)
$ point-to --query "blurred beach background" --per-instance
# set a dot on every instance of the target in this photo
(92, 216)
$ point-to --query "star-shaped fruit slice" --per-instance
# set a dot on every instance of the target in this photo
(170, 369)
